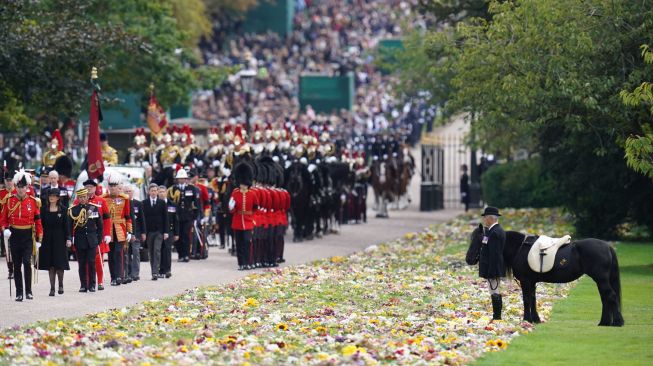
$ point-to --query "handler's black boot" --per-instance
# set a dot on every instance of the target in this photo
(496, 306)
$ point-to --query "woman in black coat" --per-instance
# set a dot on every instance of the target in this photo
(53, 254)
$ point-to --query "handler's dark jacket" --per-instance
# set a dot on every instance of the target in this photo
(491, 259)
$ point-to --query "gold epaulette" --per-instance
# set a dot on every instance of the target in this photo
(38, 202)
(122, 195)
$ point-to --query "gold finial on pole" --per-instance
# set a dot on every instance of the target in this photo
(94, 78)
(151, 89)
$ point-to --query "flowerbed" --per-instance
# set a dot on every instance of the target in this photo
(411, 301)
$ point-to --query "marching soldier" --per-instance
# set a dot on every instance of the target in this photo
(121, 230)
(242, 204)
(85, 226)
(185, 198)
(21, 222)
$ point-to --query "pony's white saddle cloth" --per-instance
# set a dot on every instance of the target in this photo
(542, 255)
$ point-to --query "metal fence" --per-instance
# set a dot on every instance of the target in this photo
(456, 153)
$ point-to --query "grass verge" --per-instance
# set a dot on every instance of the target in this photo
(571, 337)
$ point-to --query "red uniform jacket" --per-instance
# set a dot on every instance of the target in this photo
(242, 206)
(22, 214)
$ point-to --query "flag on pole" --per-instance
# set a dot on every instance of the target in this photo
(156, 116)
(95, 165)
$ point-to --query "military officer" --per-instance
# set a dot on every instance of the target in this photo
(21, 222)
(185, 198)
(121, 229)
(242, 204)
(85, 228)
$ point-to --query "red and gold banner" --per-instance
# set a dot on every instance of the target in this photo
(95, 165)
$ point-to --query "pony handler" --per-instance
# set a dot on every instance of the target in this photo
(592, 257)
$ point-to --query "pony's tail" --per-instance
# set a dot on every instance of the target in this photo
(615, 281)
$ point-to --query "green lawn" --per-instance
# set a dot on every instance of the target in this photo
(571, 337)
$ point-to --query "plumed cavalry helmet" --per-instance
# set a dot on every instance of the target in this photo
(243, 174)
(181, 174)
(22, 178)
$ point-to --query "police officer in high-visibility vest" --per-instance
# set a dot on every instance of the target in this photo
(21, 222)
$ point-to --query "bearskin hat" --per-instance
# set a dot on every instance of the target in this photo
(261, 173)
(243, 174)
(64, 165)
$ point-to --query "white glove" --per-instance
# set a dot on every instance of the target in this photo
(69, 243)
(232, 204)
(129, 237)
(204, 221)
(107, 239)
(38, 245)
(7, 233)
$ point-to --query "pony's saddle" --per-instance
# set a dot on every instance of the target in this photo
(541, 256)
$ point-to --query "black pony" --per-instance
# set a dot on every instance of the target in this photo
(592, 257)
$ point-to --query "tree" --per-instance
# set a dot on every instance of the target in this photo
(48, 48)
(545, 76)
(639, 148)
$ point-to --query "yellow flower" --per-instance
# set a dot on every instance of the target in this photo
(348, 350)
(322, 356)
(167, 319)
(490, 343)
(409, 236)
(247, 363)
(251, 302)
(337, 259)
(321, 329)
(282, 326)
(183, 349)
(440, 321)
(184, 321)
(246, 355)
(501, 344)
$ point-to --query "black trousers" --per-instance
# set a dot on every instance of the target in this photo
(86, 261)
(166, 255)
(116, 259)
(243, 241)
(183, 245)
(222, 228)
(22, 244)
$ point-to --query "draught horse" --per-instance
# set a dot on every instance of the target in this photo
(592, 257)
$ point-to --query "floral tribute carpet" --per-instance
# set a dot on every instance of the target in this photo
(411, 301)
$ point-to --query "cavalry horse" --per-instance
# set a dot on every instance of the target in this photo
(592, 257)
(297, 185)
(385, 175)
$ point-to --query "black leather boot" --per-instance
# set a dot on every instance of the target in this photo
(497, 304)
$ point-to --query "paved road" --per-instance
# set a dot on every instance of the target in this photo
(219, 268)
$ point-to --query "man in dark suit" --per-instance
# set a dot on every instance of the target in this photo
(491, 265)
(85, 226)
(173, 233)
(156, 221)
(133, 255)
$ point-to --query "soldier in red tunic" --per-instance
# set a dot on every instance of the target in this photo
(242, 204)
(22, 228)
